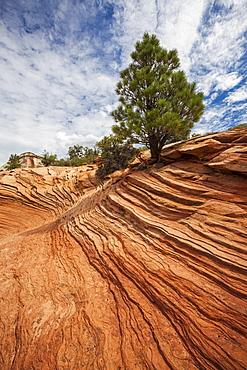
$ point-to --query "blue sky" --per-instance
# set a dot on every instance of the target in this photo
(60, 61)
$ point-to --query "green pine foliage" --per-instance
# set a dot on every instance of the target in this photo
(80, 155)
(75, 151)
(13, 162)
(48, 159)
(157, 103)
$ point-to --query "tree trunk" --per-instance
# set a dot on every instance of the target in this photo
(154, 148)
(156, 145)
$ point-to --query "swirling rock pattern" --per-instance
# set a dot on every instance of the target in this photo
(144, 271)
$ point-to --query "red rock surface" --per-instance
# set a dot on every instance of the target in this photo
(145, 271)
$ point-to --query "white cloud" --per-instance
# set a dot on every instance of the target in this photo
(174, 22)
(79, 139)
(57, 82)
(43, 92)
(179, 26)
(237, 96)
(220, 44)
(227, 81)
(217, 62)
(64, 140)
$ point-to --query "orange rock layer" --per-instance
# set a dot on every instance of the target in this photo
(144, 271)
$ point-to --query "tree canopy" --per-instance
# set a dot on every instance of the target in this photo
(48, 159)
(13, 162)
(80, 155)
(75, 151)
(158, 104)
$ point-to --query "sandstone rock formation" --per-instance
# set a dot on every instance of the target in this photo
(26, 160)
(29, 159)
(144, 271)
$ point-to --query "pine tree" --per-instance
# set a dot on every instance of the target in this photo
(48, 159)
(158, 104)
(13, 162)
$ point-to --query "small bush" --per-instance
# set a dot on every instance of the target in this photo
(241, 125)
(115, 155)
(13, 162)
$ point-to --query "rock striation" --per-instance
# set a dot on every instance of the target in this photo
(30, 160)
(144, 271)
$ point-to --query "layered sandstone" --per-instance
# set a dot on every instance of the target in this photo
(144, 271)
(26, 160)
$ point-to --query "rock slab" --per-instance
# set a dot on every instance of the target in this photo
(144, 271)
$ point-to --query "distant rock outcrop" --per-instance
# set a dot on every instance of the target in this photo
(29, 159)
(145, 271)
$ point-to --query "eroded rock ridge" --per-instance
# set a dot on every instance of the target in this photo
(144, 271)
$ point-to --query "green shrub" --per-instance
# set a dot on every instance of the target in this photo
(13, 162)
(241, 125)
(48, 159)
(115, 155)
